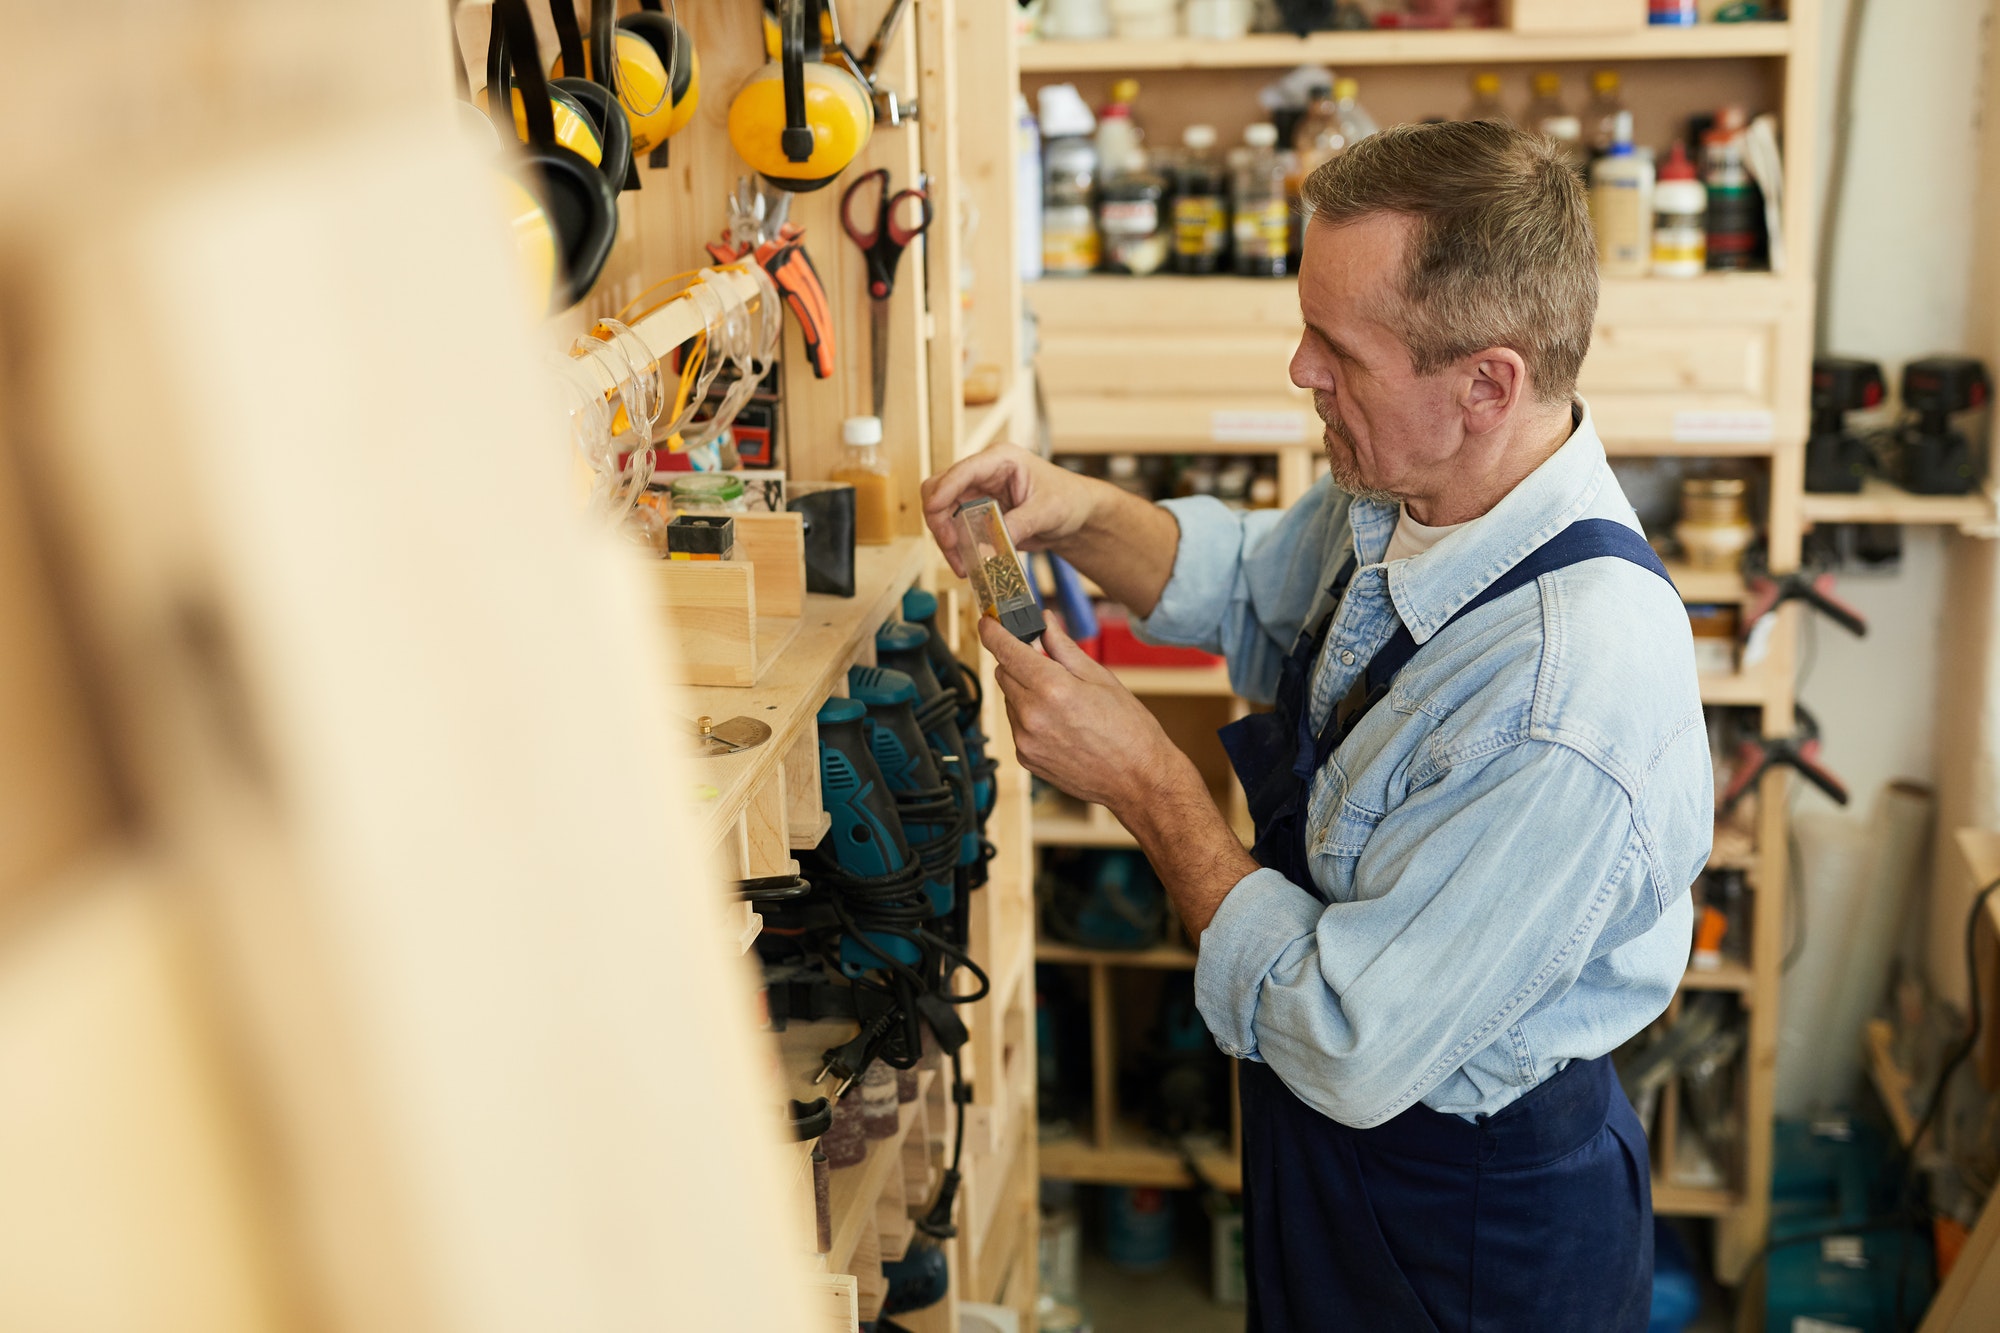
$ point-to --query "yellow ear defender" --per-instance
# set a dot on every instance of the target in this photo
(534, 241)
(575, 199)
(663, 116)
(800, 123)
(574, 129)
(594, 98)
(643, 48)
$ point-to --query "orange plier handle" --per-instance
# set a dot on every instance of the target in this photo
(785, 259)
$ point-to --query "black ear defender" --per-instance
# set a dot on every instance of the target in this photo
(581, 205)
(594, 98)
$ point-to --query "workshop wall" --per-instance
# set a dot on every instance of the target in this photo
(1902, 262)
(1901, 287)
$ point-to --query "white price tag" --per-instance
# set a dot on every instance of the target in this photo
(1807, 1324)
(1751, 426)
(1250, 427)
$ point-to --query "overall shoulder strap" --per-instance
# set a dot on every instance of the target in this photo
(1586, 539)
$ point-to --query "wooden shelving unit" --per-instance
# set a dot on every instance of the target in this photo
(1711, 368)
(1463, 46)
(1880, 501)
(765, 804)
(1133, 1157)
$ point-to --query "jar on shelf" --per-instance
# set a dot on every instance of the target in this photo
(710, 492)
(1715, 527)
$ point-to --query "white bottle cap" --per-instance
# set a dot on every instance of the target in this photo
(1261, 135)
(1199, 137)
(861, 430)
(1064, 112)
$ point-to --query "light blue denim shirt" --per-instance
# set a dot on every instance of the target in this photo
(1502, 850)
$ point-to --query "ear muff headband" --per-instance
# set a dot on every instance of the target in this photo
(579, 201)
(569, 38)
(797, 139)
(799, 122)
(614, 131)
(678, 57)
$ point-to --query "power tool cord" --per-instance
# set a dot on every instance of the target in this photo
(937, 1223)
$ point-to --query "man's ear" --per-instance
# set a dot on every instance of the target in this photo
(1496, 384)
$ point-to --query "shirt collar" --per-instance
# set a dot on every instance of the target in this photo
(1429, 591)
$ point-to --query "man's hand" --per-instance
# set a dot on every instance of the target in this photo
(1125, 543)
(1077, 727)
(1044, 503)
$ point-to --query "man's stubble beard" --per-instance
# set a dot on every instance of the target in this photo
(1344, 458)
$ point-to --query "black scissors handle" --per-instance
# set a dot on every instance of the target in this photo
(884, 237)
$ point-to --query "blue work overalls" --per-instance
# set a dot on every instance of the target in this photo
(1539, 1217)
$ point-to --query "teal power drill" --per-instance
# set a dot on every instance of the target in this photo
(865, 859)
(920, 609)
(929, 807)
(901, 646)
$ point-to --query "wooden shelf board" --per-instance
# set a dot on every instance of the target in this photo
(854, 1189)
(997, 1172)
(1171, 956)
(1671, 1200)
(1750, 688)
(802, 839)
(1891, 1083)
(1342, 50)
(787, 696)
(1074, 831)
(1881, 501)
(1730, 976)
(1706, 586)
(1072, 444)
(1177, 681)
(1133, 1158)
(1621, 446)
(984, 423)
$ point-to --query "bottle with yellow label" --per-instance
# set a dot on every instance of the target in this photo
(1201, 205)
(1680, 219)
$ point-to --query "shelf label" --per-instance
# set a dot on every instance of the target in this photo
(1749, 426)
(1251, 427)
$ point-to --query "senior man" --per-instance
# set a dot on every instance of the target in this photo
(1484, 790)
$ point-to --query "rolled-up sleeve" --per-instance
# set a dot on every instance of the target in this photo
(1470, 901)
(1244, 582)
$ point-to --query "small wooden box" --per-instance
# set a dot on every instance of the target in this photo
(731, 618)
(1575, 15)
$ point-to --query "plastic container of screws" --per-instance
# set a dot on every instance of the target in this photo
(994, 569)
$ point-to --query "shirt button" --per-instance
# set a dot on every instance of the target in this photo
(1347, 657)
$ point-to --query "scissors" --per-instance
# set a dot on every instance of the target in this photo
(883, 241)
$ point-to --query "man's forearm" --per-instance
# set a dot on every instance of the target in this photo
(1188, 841)
(1126, 547)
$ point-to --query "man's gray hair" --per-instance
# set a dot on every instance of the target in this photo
(1502, 255)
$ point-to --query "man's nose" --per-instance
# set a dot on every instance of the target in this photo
(1308, 369)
